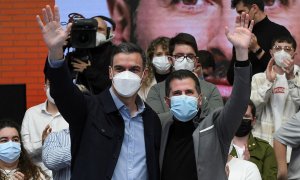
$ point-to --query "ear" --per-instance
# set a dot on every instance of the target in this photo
(253, 121)
(145, 74)
(271, 53)
(120, 14)
(200, 100)
(293, 56)
(168, 102)
(110, 73)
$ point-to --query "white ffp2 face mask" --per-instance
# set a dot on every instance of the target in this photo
(183, 63)
(100, 39)
(280, 56)
(126, 83)
(161, 64)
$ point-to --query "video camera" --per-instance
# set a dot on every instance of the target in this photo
(83, 33)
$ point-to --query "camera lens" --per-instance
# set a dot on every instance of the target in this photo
(83, 38)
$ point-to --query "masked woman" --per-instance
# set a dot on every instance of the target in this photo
(15, 163)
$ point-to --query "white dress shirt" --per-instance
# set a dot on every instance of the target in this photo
(35, 120)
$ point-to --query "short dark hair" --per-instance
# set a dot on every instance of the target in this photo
(253, 108)
(181, 74)
(287, 39)
(249, 3)
(183, 38)
(128, 48)
(206, 59)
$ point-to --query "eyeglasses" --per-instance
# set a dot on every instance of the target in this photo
(287, 49)
(180, 57)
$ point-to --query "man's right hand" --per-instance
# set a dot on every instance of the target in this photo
(54, 35)
(270, 73)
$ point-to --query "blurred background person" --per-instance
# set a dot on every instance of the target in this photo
(183, 55)
(240, 169)
(264, 31)
(35, 120)
(276, 91)
(159, 65)
(208, 65)
(247, 147)
(15, 163)
(141, 21)
(57, 154)
(288, 135)
(90, 65)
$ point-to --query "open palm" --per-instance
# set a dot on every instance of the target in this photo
(54, 35)
(241, 36)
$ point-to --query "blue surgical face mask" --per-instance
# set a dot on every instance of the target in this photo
(10, 151)
(183, 107)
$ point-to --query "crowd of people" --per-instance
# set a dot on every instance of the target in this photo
(130, 114)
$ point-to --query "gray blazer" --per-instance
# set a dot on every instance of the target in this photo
(211, 99)
(213, 135)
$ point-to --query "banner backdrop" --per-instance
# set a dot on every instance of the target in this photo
(141, 21)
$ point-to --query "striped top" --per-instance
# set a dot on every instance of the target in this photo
(57, 154)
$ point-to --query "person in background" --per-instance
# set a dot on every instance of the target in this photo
(35, 120)
(276, 92)
(288, 135)
(57, 154)
(158, 64)
(207, 61)
(264, 31)
(183, 55)
(239, 169)
(15, 162)
(91, 65)
(246, 146)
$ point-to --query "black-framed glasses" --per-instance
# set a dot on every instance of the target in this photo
(191, 58)
(287, 49)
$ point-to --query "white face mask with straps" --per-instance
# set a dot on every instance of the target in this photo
(280, 56)
(126, 83)
(101, 38)
(161, 64)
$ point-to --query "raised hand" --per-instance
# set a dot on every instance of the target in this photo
(289, 69)
(54, 35)
(241, 36)
(270, 73)
(46, 132)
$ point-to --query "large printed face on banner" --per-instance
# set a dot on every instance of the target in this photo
(146, 20)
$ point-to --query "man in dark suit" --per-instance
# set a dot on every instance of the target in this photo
(114, 135)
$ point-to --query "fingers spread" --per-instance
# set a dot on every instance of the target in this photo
(39, 21)
(56, 14)
(49, 13)
(45, 16)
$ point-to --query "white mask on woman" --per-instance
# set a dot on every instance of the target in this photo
(280, 56)
(161, 64)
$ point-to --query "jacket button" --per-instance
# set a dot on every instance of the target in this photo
(102, 130)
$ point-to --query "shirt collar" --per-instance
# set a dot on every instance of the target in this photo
(44, 109)
(119, 104)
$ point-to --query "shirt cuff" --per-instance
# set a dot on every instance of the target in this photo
(56, 63)
(242, 63)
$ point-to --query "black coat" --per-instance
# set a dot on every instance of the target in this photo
(97, 129)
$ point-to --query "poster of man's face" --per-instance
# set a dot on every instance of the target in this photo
(141, 21)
